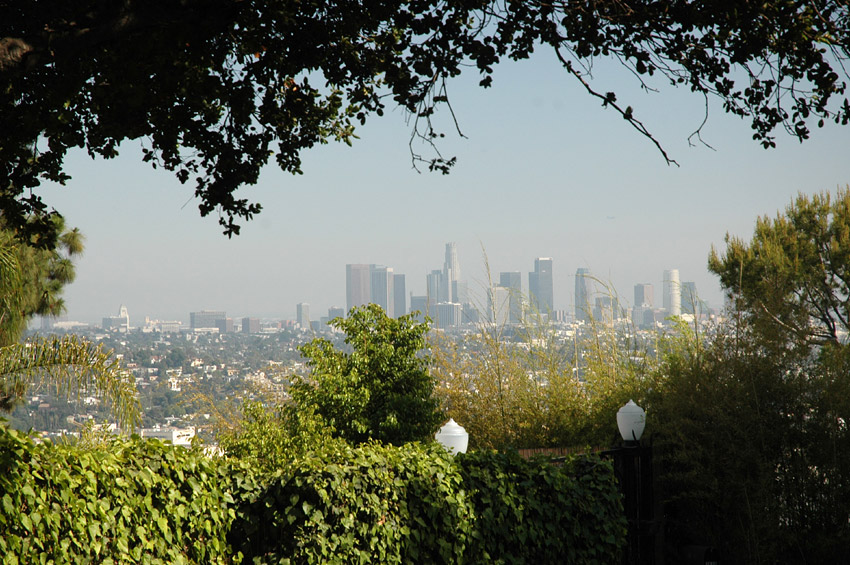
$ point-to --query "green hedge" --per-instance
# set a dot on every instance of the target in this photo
(135, 501)
(414, 504)
(533, 512)
(139, 501)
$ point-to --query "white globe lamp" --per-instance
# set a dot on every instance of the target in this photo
(631, 419)
(453, 437)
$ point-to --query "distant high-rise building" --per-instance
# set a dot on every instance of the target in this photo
(644, 295)
(643, 317)
(400, 296)
(672, 293)
(335, 312)
(250, 325)
(582, 298)
(419, 304)
(302, 315)
(541, 286)
(690, 299)
(499, 305)
(513, 282)
(470, 314)
(358, 285)
(451, 267)
(605, 310)
(435, 288)
(460, 292)
(448, 315)
(120, 322)
(381, 290)
(205, 319)
(224, 325)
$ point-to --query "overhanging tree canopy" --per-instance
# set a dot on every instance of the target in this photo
(216, 87)
(793, 278)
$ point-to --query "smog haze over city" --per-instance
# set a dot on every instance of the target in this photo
(542, 171)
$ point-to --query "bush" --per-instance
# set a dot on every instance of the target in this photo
(534, 512)
(414, 504)
(373, 503)
(142, 501)
(127, 502)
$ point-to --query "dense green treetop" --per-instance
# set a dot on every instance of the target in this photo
(793, 278)
(214, 88)
(381, 389)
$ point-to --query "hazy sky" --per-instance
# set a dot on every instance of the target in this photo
(543, 171)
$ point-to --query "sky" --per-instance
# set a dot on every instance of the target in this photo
(543, 171)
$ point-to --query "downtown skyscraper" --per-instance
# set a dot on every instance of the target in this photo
(672, 293)
(582, 296)
(541, 288)
(375, 284)
(382, 288)
(358, 285)
(512, 281)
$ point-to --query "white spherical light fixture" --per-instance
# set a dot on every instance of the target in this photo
(631, 419)
(453, 437)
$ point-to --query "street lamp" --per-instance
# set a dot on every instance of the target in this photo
(453, 437)
(631, 419)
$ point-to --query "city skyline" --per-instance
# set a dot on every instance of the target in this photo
(542, 171)
(379, 284)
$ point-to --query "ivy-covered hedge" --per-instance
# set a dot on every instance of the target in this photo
(533, 512)
(135, 501)
(139, 501)
(414, 504)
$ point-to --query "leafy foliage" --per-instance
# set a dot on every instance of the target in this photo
(141, 501)
(131, 501)
(273, 438)
(415, 504)
(30, 281)
(534, 512)
(524, 389)
(71, 366)
(792, 280)
(373, 503)
(215, 88)
(379, 390)
(744, 432)
(43, 273)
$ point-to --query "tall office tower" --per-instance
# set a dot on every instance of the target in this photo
(448, 315)
(358, 285)
(205, 319)
(451, 267)
(513, 282)
(499, 305)
(335, 312)
(250, 325)
(302, 315)
(605, 310)
(124, 315)
(224, 325)
(460, 292)
(419, 304)
(400, 298)
(434, 288)
(690, 299)
(582, 298)
(644, 295)
(382, 288)
(672, 293)
(541, 287)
